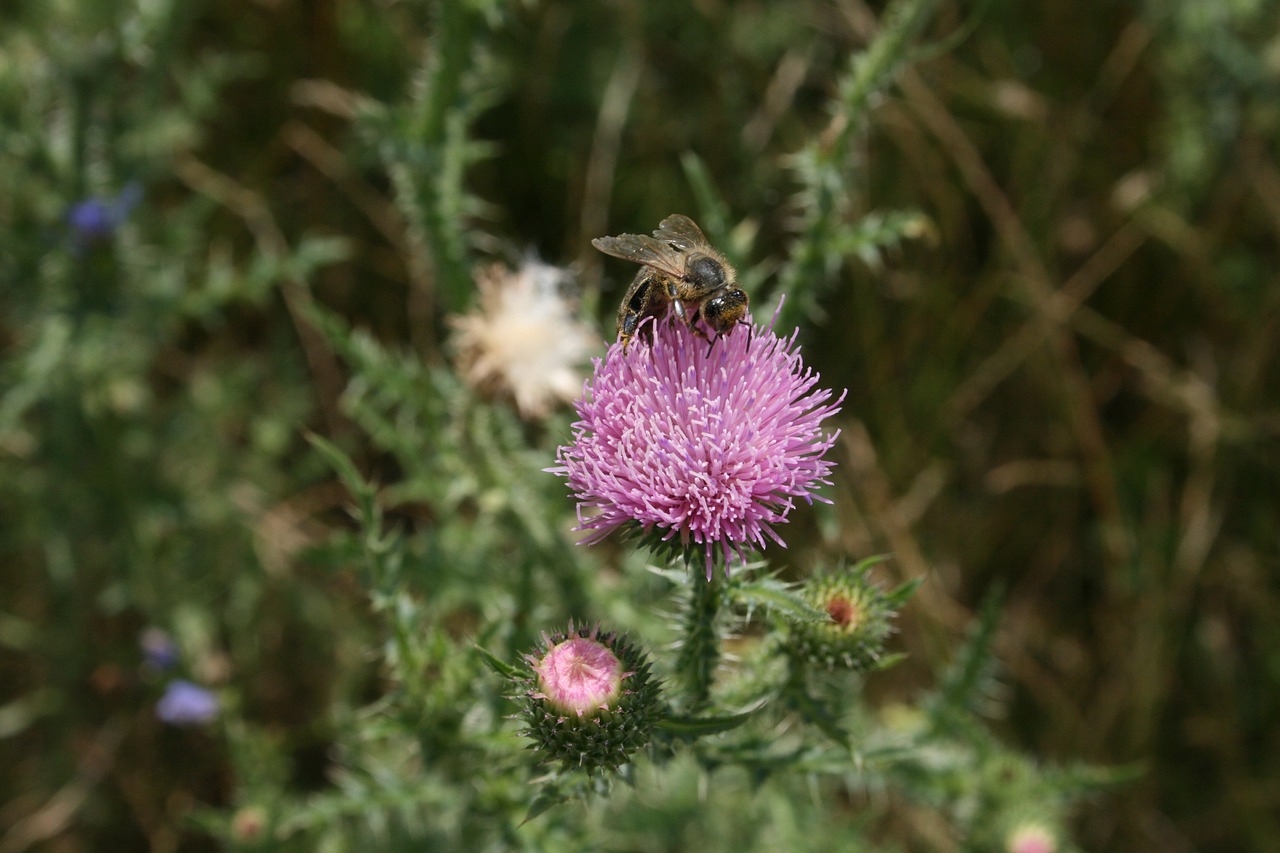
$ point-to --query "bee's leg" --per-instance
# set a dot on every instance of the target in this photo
(627, 329)
(678, 307)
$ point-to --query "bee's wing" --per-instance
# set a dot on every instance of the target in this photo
(640, 249)
(680, 231)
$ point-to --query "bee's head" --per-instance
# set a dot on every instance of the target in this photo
(724, 310)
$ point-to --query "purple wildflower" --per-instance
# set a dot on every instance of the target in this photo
(159, 649)
(94, 219)
(707, 445)
(91, 219)
(187, 704)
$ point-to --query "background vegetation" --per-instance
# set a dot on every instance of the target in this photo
(1037, 242)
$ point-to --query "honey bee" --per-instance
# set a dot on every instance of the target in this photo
(678, 270)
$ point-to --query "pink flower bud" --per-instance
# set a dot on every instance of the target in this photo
(580, 676)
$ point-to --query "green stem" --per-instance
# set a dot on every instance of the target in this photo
(441, 185)
(828, 179)
(700, 651)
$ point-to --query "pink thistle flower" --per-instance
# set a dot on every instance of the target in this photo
(707, 446)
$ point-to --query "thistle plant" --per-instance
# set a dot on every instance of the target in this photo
(500, 584)
(684, 463)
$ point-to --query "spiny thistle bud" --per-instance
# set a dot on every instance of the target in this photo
(590, 699)
(859, 611)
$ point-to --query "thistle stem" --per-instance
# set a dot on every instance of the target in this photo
(700, 649)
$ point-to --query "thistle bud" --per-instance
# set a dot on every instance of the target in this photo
(249, 824)
(590, 699)
(859, 612)
(1031, 837)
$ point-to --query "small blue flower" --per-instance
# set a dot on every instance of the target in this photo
(187, 704)
(159, 649)
(94, 219)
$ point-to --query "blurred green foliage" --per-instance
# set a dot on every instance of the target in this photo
(1036, 242)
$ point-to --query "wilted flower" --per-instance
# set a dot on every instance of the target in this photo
(705, 446)
(523, 339)
(187, 704)
(589, 699)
